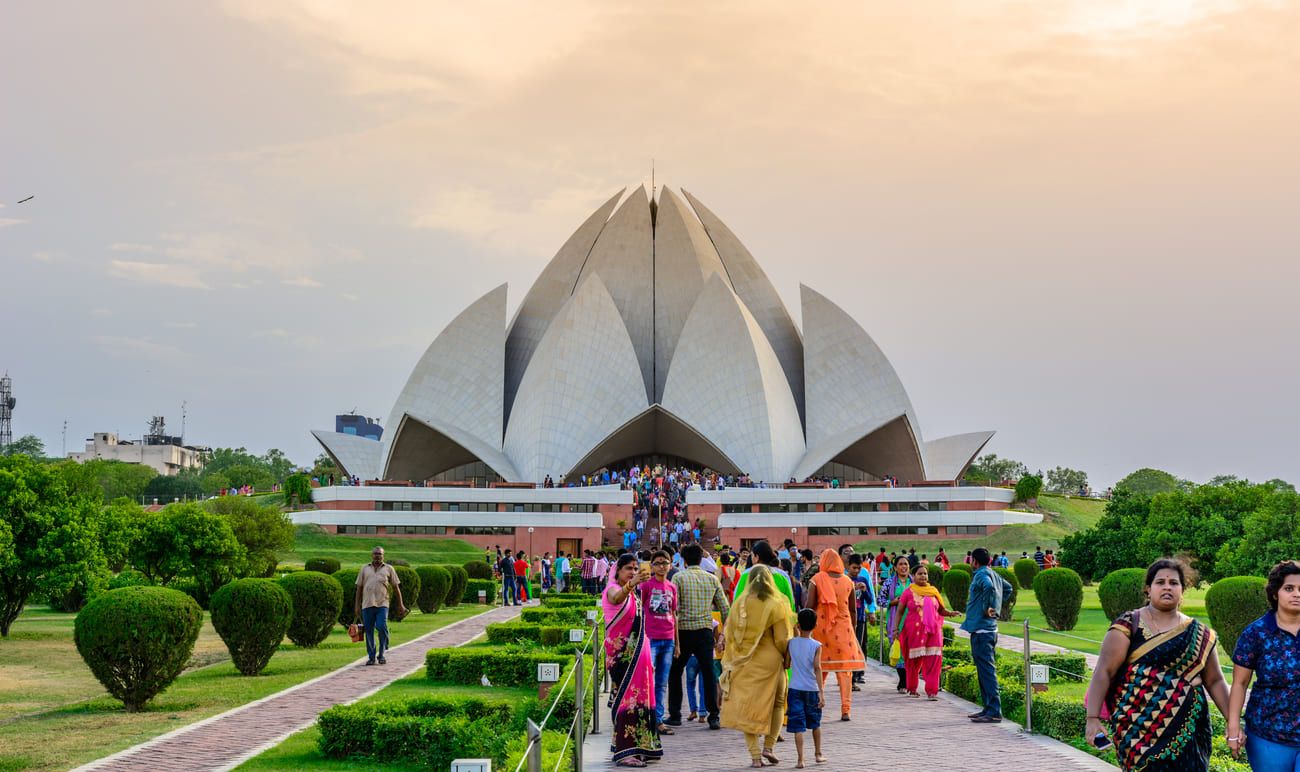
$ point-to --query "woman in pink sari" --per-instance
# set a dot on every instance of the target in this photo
(921, 633)
(635, 738)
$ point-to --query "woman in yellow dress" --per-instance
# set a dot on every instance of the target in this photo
(753, 666)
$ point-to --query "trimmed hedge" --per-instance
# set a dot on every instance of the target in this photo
(582, 603)
(1060, 596)
(968, 568)
(435, 581)
(1026, 569)
(317, 599)
(459, 580)
(477, 569)
(964, 682)
(251, 616)
(136, 640)
(956, 585)
(1059, 716)
(554, 596)
(504, 666)
(410, 584)
(470, 593)
(322, 565)
(1008, 601)
(573, 617)
(936, 574)
(1065, 667)
(398, 562)
(527, 633)
(1122, 590)
(347, 579)
(430, 731)
(1233, 603)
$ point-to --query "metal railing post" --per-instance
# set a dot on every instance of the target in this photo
(534, 747)
(579, 725)
(595, 683)
(1029, 687)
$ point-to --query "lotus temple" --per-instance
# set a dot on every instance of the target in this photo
(654, 337)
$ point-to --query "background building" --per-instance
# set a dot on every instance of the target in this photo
(358, 426)
(165, 453)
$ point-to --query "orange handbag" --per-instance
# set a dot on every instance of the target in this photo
(356, 632)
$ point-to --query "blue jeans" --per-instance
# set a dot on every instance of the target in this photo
(1268, 756)
(508, 597)
(661, 655)
(983, 650)
(694, 686)
(375, 619)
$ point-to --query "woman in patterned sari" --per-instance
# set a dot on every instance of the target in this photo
(627, 657)
(890, 593)
(1155, 666)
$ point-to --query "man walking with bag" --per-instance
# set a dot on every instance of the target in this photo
(375, 581)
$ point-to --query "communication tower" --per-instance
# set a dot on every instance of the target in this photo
(7, 403)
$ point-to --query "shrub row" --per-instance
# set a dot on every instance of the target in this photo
(573, 617)
(963, 681)
(322, 565)
(525, 632)
(583, 603)
(472, 586)
(504, 666)
(477, 569)
(430, 731)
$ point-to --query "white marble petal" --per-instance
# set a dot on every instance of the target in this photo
(947, 458)
(726, 382)
(584, 381)
(354, 455)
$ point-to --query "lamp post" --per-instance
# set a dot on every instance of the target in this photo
(530, 544)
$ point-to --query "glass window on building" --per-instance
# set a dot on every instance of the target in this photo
(920, 506)
(469, 506)
(827, 531)
(484, 530)
(974, 530)
(736, 509)
(582, 508)
(355, 529)
(535, 508)
(898, 530)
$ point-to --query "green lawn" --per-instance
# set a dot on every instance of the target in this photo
(1092, 624)
(55, 715)
(311, 541)
(299, 751)
(1064, 516)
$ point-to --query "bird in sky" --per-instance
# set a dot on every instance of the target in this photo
(25, 200)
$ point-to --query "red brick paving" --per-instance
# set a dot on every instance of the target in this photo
(888, 731)
(227, 740)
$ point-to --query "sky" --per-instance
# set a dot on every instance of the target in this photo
(1070, 221)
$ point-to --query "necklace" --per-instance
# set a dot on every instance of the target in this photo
(1150, 630)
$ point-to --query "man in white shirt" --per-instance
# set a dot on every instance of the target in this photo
(561, 572)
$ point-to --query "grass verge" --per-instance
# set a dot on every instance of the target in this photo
(310, 541)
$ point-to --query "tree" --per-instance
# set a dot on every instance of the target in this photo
(48, 534)
(991, 469)
(261, 530)
(120, 524)
(1223, 479)
(186, 540)
(110, 479)
(1028, 488)
(324, 466)
(277, 464)
(1200, 523)
(167, 488)
(1270, 535)
(297, 490)
(1065, 480)
(26, 445)
(239, 475)
(1149, 482)
(1114, 542)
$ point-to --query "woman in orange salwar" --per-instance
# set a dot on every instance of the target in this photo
(831, 595)
(921, 633)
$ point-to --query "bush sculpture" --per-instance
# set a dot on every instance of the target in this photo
(136, 640)
(962, 567)
(347, 579)
(470, 593)
(1008, 601)
(323, 565)
(477, 569)
(956, 585)
(435, 581)
(317, 599)
(1234, 602)
(1122, 590)
(410, 582)
(1026, 569)
(1060, 596)
(251, 616)
(459, 577)
(936, 573)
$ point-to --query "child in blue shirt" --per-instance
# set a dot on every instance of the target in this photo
(804, 701)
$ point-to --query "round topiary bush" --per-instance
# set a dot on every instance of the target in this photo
(434, 583)
(1234, 602)
(1008, 601)
(936, 573)
(317, 599)
(410, 582)
(347, 579)
(129, 578)
(1060, 596)
(136, 640)
(459, 578)
(1026, 569)
(322, 565)
(956, 585)
(398, 562)
(477, 569)
(251, 616)
(1122, 590)
(968, 568)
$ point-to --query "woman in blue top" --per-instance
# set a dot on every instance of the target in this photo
(1269, 649)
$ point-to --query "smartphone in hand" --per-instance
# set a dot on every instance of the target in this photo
(1101, 742)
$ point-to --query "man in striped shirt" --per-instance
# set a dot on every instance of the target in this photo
(588, 573)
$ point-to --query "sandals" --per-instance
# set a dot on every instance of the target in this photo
(631, 761)
(932, 697)
(770, 758)
(665, 729)
(694, 715)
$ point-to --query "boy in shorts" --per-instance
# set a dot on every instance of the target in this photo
(804, 701)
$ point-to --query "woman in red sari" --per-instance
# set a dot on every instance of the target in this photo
(635, 738)
(921, 633)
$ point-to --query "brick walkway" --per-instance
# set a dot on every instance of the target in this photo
(224, 741)
(888, 731)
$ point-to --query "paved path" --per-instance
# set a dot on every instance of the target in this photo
(227, 740)
(888, 731)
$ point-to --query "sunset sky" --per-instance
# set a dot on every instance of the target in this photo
(1077, 223)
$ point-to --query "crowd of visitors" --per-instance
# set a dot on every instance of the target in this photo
(751, 636)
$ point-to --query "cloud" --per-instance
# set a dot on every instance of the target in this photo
(44, 256)
(181, 325)
(277, 332)
(6, 222)
(477, 215)
(302, 281)
(169, 274)
(118, 345)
